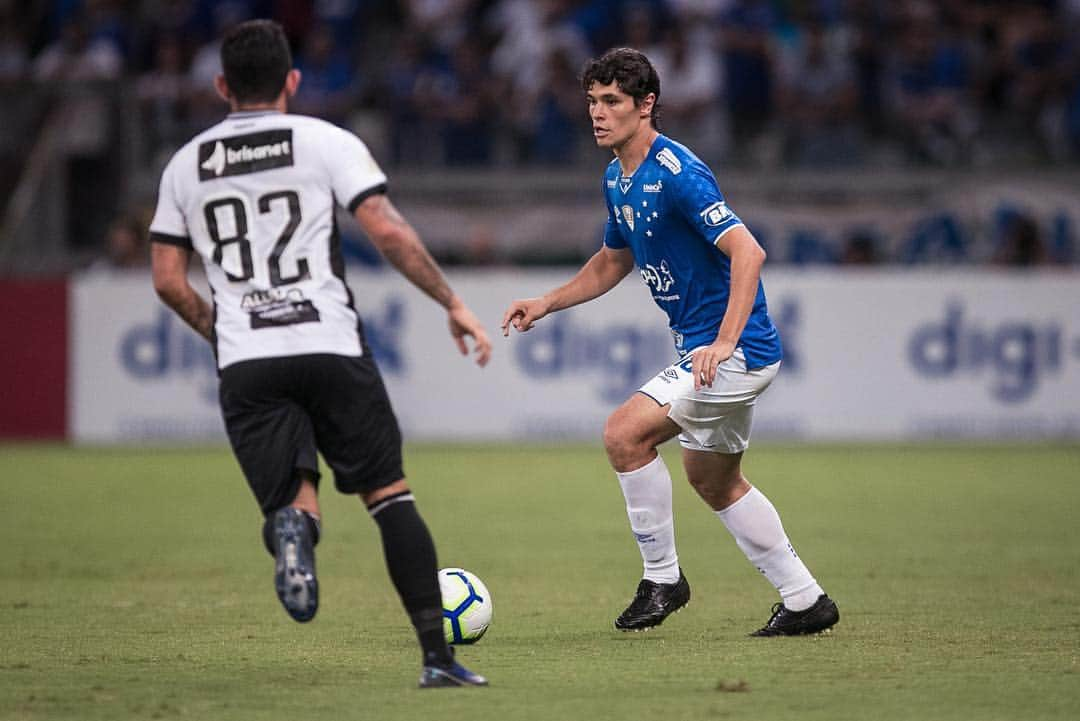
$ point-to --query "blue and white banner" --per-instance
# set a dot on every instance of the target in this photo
(869, 355)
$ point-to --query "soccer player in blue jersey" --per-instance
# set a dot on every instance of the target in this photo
(702, 265)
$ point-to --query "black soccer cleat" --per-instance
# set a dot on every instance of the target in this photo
(294, 563)
(451, 676)
(822, 616)
(652, 603)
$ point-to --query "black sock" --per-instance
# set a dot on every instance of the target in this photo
(410, 558)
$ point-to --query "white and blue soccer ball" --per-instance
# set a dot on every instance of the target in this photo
(467, 606)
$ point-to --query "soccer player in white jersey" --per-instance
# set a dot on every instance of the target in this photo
(702, 266)
(254, 196)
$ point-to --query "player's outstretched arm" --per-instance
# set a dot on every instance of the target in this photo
(601, 273)
(399, 243)
(169, 264)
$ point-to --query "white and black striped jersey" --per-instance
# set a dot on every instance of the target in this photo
(255, 197)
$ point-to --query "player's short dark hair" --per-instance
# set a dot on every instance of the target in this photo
(255, 58)
(631, 71)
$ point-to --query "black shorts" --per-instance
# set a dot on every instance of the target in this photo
(280, 411)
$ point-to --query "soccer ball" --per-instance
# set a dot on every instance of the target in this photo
(466, 605)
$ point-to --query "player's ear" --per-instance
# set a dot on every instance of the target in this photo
(292, 82)
(222, 87)
(646, 106)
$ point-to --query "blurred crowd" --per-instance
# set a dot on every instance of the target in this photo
(754, 84)
(481, 82)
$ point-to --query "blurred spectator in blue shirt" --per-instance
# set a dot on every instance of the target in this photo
(409, 136)
(561, 120)
(685, 57)
(1039, 79)
(528, 38)
(746, 37)
(457, 96)
(328, 83)
(818, 100)
(164, 94)
(928, 84)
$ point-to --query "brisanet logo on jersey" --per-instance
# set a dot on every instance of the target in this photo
(1015, 354)
(243, 154)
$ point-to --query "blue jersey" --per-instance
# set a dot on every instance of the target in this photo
(670, 213)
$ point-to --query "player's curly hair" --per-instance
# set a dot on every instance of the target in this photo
(631, 71)
(255, 59)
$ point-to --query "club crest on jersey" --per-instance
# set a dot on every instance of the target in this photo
(628, 215)
(716, 214)
(625, 183)
(243, 154)
(659, 278)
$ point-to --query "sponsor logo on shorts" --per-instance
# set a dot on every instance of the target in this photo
(668, 375)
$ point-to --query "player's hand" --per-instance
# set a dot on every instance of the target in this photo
(464, 323)
(522, 314)
(707, 360)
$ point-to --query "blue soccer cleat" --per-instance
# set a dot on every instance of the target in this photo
(294, 563)
(450, 677)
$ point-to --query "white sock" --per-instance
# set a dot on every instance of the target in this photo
(648, 505)
(757, 529)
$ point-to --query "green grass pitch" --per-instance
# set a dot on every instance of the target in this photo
(133, 585)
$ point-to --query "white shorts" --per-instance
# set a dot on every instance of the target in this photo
(716, 419)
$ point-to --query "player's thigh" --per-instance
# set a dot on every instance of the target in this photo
(270, 434)
(639, 421)
(714, 419)
(355, 425)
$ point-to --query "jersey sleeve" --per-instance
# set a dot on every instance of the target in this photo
(612, 237)
(698, 198)
(354, 174)
(169, 225)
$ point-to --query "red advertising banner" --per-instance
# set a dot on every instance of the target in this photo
(33, 358)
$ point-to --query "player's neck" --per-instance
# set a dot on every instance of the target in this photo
(633, 152)
(279, 105)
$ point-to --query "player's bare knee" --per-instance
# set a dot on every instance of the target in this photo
(625, 451)
(371, 497)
